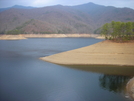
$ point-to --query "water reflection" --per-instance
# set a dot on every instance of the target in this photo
(113, 83)
(106, 69)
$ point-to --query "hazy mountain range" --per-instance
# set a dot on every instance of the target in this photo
(17, 6)
(85, 18)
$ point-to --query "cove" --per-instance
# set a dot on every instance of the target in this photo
(23, 77)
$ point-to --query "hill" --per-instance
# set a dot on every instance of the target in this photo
(84, 18)
(104, 14)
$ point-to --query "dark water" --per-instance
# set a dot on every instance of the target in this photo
(23, 77)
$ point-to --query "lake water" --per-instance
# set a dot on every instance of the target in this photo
(23, 77)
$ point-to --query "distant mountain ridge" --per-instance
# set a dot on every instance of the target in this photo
(85, 18)
(16, 6)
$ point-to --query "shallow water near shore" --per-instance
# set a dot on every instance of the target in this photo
(23, 77)
(106, 69)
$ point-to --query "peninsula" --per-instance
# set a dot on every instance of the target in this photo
(102, 53)
(105, 54)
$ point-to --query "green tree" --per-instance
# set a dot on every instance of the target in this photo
(133, 30)
(113, 31)
(105, 30)
(120, 31)
(13, 32)
(128, 30)
(123, 29)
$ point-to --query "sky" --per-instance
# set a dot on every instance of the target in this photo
(43, 3)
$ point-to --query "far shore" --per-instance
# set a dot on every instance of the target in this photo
(61, 35)
(25, 36)
(12, 37)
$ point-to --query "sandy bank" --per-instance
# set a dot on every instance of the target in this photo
(12, 37)
(102, 53)
(55, 35)
(61, 35)
(24, 36)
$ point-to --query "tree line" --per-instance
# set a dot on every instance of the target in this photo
(119, 31)
(13, 32)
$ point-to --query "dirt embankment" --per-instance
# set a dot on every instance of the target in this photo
(104, 57)
(102, 53)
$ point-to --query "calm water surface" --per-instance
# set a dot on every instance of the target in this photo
(23, 77)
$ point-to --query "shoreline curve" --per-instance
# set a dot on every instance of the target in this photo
(102, 53)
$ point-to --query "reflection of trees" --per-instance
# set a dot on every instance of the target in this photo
(113, 83)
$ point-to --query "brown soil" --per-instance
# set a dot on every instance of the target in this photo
(102, 53)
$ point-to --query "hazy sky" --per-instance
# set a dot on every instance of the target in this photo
(42, 3)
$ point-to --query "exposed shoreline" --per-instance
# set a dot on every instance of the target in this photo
(102, 53)
(25, 36)
(12, 37)
(61, 35)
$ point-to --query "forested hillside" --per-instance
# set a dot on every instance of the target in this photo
(86, 18)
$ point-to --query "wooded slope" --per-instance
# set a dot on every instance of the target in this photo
(84, 18)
